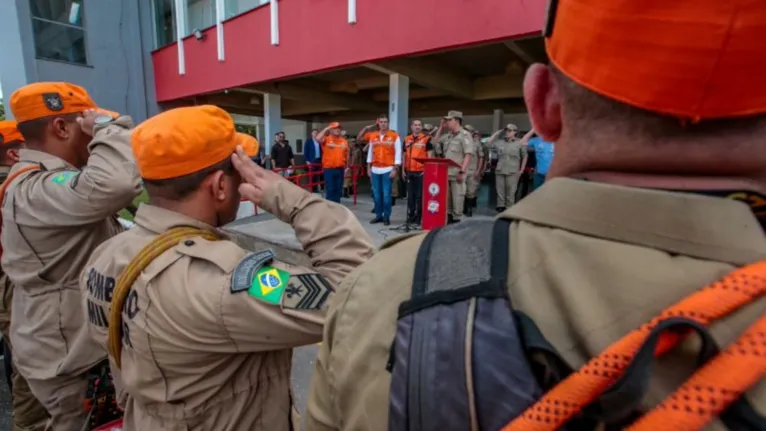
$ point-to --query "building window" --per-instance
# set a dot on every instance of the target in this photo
(238, 7)
(58, 30)
(165, 24)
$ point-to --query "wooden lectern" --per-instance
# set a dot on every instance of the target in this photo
(435, 191)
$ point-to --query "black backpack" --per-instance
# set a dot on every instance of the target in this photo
(464, 359)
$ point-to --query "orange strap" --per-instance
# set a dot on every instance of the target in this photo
(561, 403)
(12, 176)
(713, 387)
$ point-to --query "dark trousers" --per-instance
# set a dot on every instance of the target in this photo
(414, 197)
(333, 183)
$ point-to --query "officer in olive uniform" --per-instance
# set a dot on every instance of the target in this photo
(473, 177)
(199, 330)
(28, 413)
(511, 161)
(77, 172)
(457, 145)
(640, 209)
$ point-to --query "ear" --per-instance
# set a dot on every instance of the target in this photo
(542, 96)
(59, 128)
(12, 155)
(217, 185)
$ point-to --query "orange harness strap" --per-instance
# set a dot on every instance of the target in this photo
(570, 396)
(5, 185)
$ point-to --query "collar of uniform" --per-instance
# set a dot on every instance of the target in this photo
(705, 227)
(47, 161)
(159, 220)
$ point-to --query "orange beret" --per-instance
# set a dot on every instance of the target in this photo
(9, 133)
(182, 141)
(334, 125)
(691, 59)
(45, 99)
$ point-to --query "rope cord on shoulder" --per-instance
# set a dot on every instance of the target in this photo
(8, 182)
(154, 249)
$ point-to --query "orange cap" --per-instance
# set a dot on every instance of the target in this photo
(9, 133)
(334, 125)
(692, 59)
(182, 141)
(45, 99)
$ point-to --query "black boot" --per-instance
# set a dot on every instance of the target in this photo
(346, 193)
(376, 220)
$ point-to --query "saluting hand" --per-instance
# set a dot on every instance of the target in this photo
(88, 121)
(255, 179)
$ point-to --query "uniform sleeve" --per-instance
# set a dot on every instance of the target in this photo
(330, 234)
(398, 152)
(468, 146)
(108, 183)
(523, 151)
(369, 153)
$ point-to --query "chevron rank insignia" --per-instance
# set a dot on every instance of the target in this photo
(246, 270)
(306, 292)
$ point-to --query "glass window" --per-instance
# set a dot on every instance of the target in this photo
(236, 7)
(58, 30)
(164, 24)
(200, 15)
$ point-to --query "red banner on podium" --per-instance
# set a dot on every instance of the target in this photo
(435, 189)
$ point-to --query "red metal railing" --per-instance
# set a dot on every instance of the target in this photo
(312, 175)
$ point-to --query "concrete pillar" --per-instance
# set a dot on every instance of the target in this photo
(399, 103)
(13, 68)
(497, 120)
(272, 118)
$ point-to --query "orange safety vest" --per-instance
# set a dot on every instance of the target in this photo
(383, 150)
(416, 149)
(334, 152)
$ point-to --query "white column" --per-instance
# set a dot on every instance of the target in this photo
(352, 11)
(274, 9)
(220, 11)
(180, 17)
(272, 118)
(399, 103)
(497, 120)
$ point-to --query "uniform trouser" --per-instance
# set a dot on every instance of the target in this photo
(28, 413)
(506, 189)
(63, 398)
(414, 196)
(455, 198)
(471, 185)
(333, 181)
(381, 192)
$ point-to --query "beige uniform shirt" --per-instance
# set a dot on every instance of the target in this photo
(509, 155)
(200, 353)
(456, 146)
(478, 154)
(52, 220)
(589, 263)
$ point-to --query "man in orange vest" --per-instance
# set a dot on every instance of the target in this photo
(334, 160)
(384, 156)
(417, 146)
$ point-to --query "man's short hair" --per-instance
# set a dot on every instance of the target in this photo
(587, 110)
(34, 130)
(418, 120)
(314, 130)
(181, 187)
(382, 117)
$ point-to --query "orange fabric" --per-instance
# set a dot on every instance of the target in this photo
(9, 132)
(182, 141)
(334, 152)
(383, 150)
(12, 176)
(714, 387)
(334, 125)
(565, 400)
(45, 99)
(415, 149)
(692, 59)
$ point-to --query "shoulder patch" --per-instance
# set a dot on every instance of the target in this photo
(307, 292)
(63, 177)
(269, 284)
(243, 277)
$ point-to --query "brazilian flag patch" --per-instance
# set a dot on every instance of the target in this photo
(269, 284)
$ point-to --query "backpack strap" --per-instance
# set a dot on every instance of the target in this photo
(737, 289)
(141, 261)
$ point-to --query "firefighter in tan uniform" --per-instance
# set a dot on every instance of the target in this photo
(203, 332)
(28, 413)
(472, 179)
(647, 204)
(458, 147)
(511, 161)
(78, 172)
